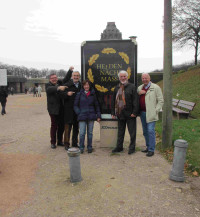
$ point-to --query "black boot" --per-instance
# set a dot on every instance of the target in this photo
(115, 150)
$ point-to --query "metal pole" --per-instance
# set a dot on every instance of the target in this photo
(74, 164)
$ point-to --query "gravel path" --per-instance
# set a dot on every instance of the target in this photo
(34, 179)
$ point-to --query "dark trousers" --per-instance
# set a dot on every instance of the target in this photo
(3, 111)
(68, 128)
(57, 128)
(131, 124)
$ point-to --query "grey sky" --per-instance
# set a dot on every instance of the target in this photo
(48, 33)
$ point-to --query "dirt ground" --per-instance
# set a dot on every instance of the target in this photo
(34, 179)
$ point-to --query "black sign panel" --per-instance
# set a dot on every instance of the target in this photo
(101, 62)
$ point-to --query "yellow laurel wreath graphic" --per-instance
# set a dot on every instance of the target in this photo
(129, 72)
(90, 76)
(93, 59)
(124, 57)
(112, 89)
(108, 50)
(101, 88)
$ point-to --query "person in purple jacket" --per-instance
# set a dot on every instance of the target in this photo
(87, 109)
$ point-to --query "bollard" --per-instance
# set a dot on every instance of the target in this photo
(74, 164)
(177, 172)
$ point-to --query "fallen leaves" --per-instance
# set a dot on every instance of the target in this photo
(195, 173)
(179, 190)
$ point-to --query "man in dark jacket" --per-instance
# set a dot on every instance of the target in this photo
(125, 107)
(70, 116)
(55, 109)
(3, 99)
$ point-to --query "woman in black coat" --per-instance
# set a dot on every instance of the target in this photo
(70, 117)
(87, 109)
(3, 99)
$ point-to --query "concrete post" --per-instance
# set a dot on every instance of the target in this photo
(177, 172)
(74, 164)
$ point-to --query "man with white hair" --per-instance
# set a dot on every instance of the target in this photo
(125, 108)
(151, 102)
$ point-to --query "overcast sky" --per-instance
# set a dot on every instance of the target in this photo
(49, 33)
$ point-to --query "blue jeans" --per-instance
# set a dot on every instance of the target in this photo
(148, 132)
(82, 132)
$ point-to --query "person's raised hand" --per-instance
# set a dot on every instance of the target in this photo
(71, 68)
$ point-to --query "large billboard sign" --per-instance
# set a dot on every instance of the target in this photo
(101, 62)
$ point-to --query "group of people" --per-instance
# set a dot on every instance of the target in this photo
(128, 102)
(72, 105)
(37, 90)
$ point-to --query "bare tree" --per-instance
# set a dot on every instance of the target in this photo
(186, 24)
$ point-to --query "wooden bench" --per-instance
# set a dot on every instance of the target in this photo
(175, 102)
(183, 108)
(178, 106)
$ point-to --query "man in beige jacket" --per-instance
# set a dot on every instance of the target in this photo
(151, 102)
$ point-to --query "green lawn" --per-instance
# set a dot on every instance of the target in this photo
(186, 86)
(189, 130)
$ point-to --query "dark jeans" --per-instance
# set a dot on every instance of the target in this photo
(131, 124)
(68, 128)
(57, 128)
(3, 104)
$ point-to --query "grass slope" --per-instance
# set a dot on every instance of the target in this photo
(186, 86)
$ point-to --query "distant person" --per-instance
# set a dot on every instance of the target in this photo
(39, 91)
(12, 90)
(34, 91)
(25, 90)
(68, 75)
(30, 90)
(125, 108)
(3, 99)
(70, 116)
(151, 102)
(87, 109)
(9, 92)
(55, 109)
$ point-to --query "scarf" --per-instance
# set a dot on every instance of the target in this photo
(120, 101)
(87, 93)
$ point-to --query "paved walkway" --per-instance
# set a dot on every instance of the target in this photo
(34, 179)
